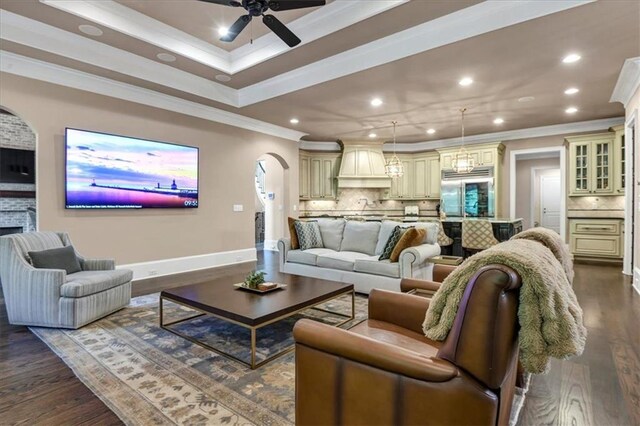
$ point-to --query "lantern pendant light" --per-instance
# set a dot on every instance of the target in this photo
(394, 168)
(462, 161)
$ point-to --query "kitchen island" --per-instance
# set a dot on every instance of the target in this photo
(503, 229)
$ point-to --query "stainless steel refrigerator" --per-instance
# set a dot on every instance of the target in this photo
(468, 194)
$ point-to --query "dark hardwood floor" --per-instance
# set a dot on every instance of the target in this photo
(601, 387)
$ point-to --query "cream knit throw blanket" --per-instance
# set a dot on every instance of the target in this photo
(553, 242)
(549, 315)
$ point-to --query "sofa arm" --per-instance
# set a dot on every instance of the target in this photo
(97, 264)
(415, 257)
(364, 350)
(403, 310)
(284, 245)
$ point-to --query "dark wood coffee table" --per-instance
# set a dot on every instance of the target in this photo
(220, 299)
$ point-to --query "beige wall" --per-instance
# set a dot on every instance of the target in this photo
(525, 193)
(227, 161)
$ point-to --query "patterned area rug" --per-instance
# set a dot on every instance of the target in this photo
(147, 375)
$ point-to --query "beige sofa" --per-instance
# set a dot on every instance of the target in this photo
(351, 251)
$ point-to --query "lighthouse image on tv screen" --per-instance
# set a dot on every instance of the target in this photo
(116, 172)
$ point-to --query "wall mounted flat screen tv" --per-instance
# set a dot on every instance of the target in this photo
(106, 171)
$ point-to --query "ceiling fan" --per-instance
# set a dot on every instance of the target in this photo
(258, 8)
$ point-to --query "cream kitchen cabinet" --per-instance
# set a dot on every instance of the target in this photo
(592, 166)
(318, 173)
(485, 155)
(596, 238)
(420, 181)
(619, 160)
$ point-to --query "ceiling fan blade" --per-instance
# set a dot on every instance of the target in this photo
(236, 28)
(277, 5)
(232, 3)
(280, 30)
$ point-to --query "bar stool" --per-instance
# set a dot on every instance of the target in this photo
(477, 235)
(445, 243)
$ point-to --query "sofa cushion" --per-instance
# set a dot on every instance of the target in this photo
(432, 229)
(293, 235)
(413, 237)
(306, 257)
(397, 233)
(378, 267)
(331, 231)
(344, 260)
(386, 228)
(360, 237)
(56, 258)
(85, 283)
(308, 235)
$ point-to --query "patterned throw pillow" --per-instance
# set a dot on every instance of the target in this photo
(413, 237)
(395, 236)
(308, 235)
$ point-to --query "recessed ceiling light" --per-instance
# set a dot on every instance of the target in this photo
(571, 91)
(526, 99)
(571, 110)
(294, 121)
(571, 58)
(91, 30)
(466, 81)
(498, 121)
(223, 31)
(431, 131)
(376, 101)
(372, 135)
(223, 78)
(166, 57)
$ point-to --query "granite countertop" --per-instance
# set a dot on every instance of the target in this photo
(595, 214)
(380, 217)
(490, 219)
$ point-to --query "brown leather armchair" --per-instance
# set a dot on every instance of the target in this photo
(384, 371)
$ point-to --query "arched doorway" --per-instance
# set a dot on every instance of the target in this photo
(272, 200)
(17, 175)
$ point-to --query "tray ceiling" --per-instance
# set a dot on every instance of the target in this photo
(411, 54)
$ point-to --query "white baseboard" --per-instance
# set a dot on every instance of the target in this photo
(158, 268)
(636, 280)
(271, 245)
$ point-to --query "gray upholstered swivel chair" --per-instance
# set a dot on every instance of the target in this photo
(50, 297)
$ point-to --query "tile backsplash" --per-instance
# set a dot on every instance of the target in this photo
(363, 201)
(595, 206)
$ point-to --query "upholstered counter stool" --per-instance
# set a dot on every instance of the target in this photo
(444, 241)
(477, 235)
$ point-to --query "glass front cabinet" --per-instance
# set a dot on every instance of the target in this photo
(619, 153)
(593, 166)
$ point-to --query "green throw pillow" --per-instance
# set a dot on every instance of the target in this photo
(395, 236)
(308, 235)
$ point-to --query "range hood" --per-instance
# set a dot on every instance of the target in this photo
(362, 166)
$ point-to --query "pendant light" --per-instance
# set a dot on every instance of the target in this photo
(393, 168)
(462, 161)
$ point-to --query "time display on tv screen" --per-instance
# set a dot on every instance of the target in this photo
(106, 171)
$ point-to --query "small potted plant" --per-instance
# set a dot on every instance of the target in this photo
(254, 280)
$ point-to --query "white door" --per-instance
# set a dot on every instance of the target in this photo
(550, 196)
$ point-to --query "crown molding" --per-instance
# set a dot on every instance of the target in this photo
(463, 24)
(510, 135)
(319, 146)
(310, 27)
(628, 81)
(35, 34)
(44, 71)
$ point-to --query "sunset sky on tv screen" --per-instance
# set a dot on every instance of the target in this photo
(108, 171)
